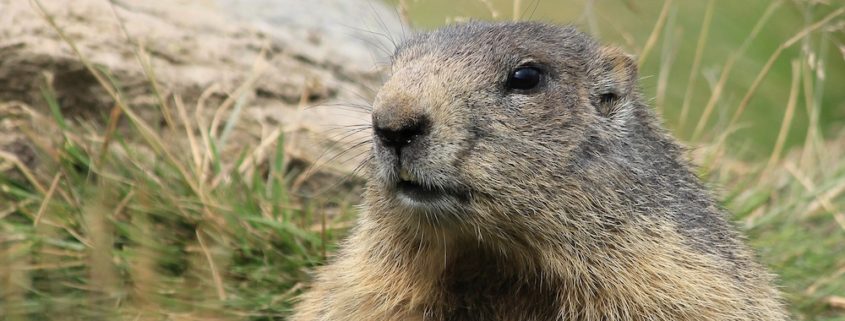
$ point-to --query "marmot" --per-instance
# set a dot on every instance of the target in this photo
(518, 175)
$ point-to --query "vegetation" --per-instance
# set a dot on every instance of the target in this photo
(128, 226)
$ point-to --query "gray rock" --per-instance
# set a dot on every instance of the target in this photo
(287, 66)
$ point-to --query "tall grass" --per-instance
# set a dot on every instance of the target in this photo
(126, 225)
(142, 233)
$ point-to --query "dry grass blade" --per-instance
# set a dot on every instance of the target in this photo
(189, 132)
(146, 131)
(259, 152)
(294, 130)
(149, 135)
(124, 202)
(27, 172)
(824, 201)
(768, 66)
(655, 33)
(490, 8)
(696, 62)
(836, 301)
(90, 67)
(146, 66)
(814, 82)
(821, 201)
(111, 127)
(47, 197)
(787, 117)
(102, 273)
(805, 181)
(590, 15)
(203, 129)
(667, 55)
(258, 68)
(14, 207)
(811, 138)
(403, 12)
(215, 274)
(726, 71)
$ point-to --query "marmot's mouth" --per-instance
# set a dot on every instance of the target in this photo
(419, 192)
(412, 191)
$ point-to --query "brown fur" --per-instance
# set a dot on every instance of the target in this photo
(565, 203)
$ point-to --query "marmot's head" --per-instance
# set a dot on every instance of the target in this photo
(481, 123)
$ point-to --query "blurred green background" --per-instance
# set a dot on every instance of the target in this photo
(628, 24)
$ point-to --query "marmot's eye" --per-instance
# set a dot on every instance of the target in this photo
(524, 78)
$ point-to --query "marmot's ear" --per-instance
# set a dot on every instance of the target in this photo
(614, 81)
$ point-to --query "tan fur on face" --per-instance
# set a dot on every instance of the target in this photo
(571, 202)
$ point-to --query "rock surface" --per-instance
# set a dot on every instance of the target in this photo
(291, 67)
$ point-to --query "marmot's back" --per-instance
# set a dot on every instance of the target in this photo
(516, 174)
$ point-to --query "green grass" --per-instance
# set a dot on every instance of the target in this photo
(793, 217)
(133, 230)
(119, 223)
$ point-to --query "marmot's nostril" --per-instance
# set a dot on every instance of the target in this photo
(400, 136)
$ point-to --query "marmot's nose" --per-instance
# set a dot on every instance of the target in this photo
(401, 134)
